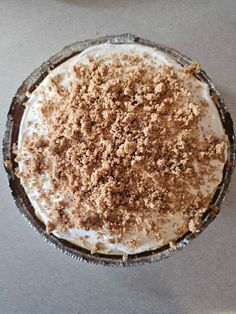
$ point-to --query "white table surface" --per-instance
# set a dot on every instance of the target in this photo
(36, 278)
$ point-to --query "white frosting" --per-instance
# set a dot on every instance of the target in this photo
(210, 122)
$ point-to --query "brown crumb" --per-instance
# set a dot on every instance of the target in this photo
(29, 123)
(172, 244)
(193, 68)
(50, 227)
(8, 164)
(132, 243)
(95, 248)
(125, 257)
(14, 148)
(194, 225)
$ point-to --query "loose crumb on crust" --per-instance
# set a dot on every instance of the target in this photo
(193, 68)
(50, 227)
(172, 244)
(94, 249)
(194, 225)
(8, 164)
(14, 149)
(125, 257)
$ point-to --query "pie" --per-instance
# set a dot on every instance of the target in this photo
(121, 149)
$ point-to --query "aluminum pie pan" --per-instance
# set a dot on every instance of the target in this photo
(26, 209)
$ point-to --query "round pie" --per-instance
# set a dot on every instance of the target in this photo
(121, 149)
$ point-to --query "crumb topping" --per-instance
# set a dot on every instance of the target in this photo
(123, 149)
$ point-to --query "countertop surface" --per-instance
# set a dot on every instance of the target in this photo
(36, 278)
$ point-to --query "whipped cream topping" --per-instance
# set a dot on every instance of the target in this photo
(170, 229)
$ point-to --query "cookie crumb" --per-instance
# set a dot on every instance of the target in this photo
(193, 68)
(172, 244)
(125, 257)
(194, 225)
(14, 148)
(50, 227)
(8, 164)
(95, 248)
